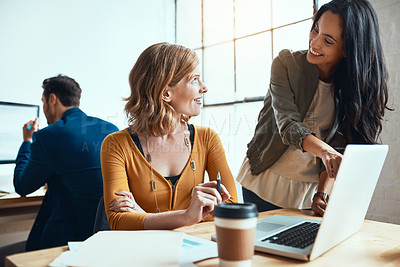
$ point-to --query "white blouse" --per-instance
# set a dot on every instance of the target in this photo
(293, 179)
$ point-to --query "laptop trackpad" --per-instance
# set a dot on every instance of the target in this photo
(268, 227)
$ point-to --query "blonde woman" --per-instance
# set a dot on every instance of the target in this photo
(153, 171)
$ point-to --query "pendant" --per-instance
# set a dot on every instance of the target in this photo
(192, 165)
(187, 141)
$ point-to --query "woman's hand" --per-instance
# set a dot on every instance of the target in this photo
(125, 203)
(329, 156)
(204, 199)
(319, 201)
(319, 205)
(331, 159)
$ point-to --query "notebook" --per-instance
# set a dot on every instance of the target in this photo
(348, 203)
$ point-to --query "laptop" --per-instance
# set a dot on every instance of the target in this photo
(348, 203)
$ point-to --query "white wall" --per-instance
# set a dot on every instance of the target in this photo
(95, 42)
(385, 204)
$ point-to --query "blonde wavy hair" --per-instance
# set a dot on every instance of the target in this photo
(159, 66)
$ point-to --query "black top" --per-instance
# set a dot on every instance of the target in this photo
(135, 138)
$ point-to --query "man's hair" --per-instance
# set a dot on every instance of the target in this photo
(159, 66)
(65, 88)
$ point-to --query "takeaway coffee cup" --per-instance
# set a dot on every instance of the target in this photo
(235, 225)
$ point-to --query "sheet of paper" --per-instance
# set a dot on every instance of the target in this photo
(128, 248)
(74, 245)
(40, 192)
(196, 249)
(59, 261)
(193, 249)
(64, 257)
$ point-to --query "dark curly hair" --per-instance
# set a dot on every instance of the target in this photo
(360, 82)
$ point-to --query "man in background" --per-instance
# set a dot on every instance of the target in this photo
(66, 156)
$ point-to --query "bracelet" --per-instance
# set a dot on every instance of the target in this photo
(323, 195)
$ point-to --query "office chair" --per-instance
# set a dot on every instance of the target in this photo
(101, 222)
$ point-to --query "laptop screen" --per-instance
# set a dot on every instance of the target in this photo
(13, 116)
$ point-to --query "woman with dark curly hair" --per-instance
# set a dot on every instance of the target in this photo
(333, 94)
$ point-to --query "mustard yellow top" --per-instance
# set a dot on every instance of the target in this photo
(125, 168)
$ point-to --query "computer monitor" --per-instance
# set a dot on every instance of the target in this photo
(13, 116)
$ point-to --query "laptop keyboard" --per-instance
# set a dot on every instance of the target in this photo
(298, 236)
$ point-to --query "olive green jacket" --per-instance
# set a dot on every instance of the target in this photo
(293, 84)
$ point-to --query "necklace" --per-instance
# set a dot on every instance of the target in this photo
(153, 182)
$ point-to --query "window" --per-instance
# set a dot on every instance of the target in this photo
(237, 41)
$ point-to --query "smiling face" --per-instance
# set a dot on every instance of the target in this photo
(326, 44)
(186, 96)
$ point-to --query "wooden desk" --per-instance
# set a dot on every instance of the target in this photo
(376, 244)
(17, 215)
(16, 219)
(13, 200)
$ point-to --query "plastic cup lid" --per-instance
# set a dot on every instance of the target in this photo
(236, 210)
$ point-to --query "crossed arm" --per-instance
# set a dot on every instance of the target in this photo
(204, 199)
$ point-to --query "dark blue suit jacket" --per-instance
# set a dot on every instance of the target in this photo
(66, 156)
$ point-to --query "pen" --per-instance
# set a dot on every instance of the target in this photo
(219, 183)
